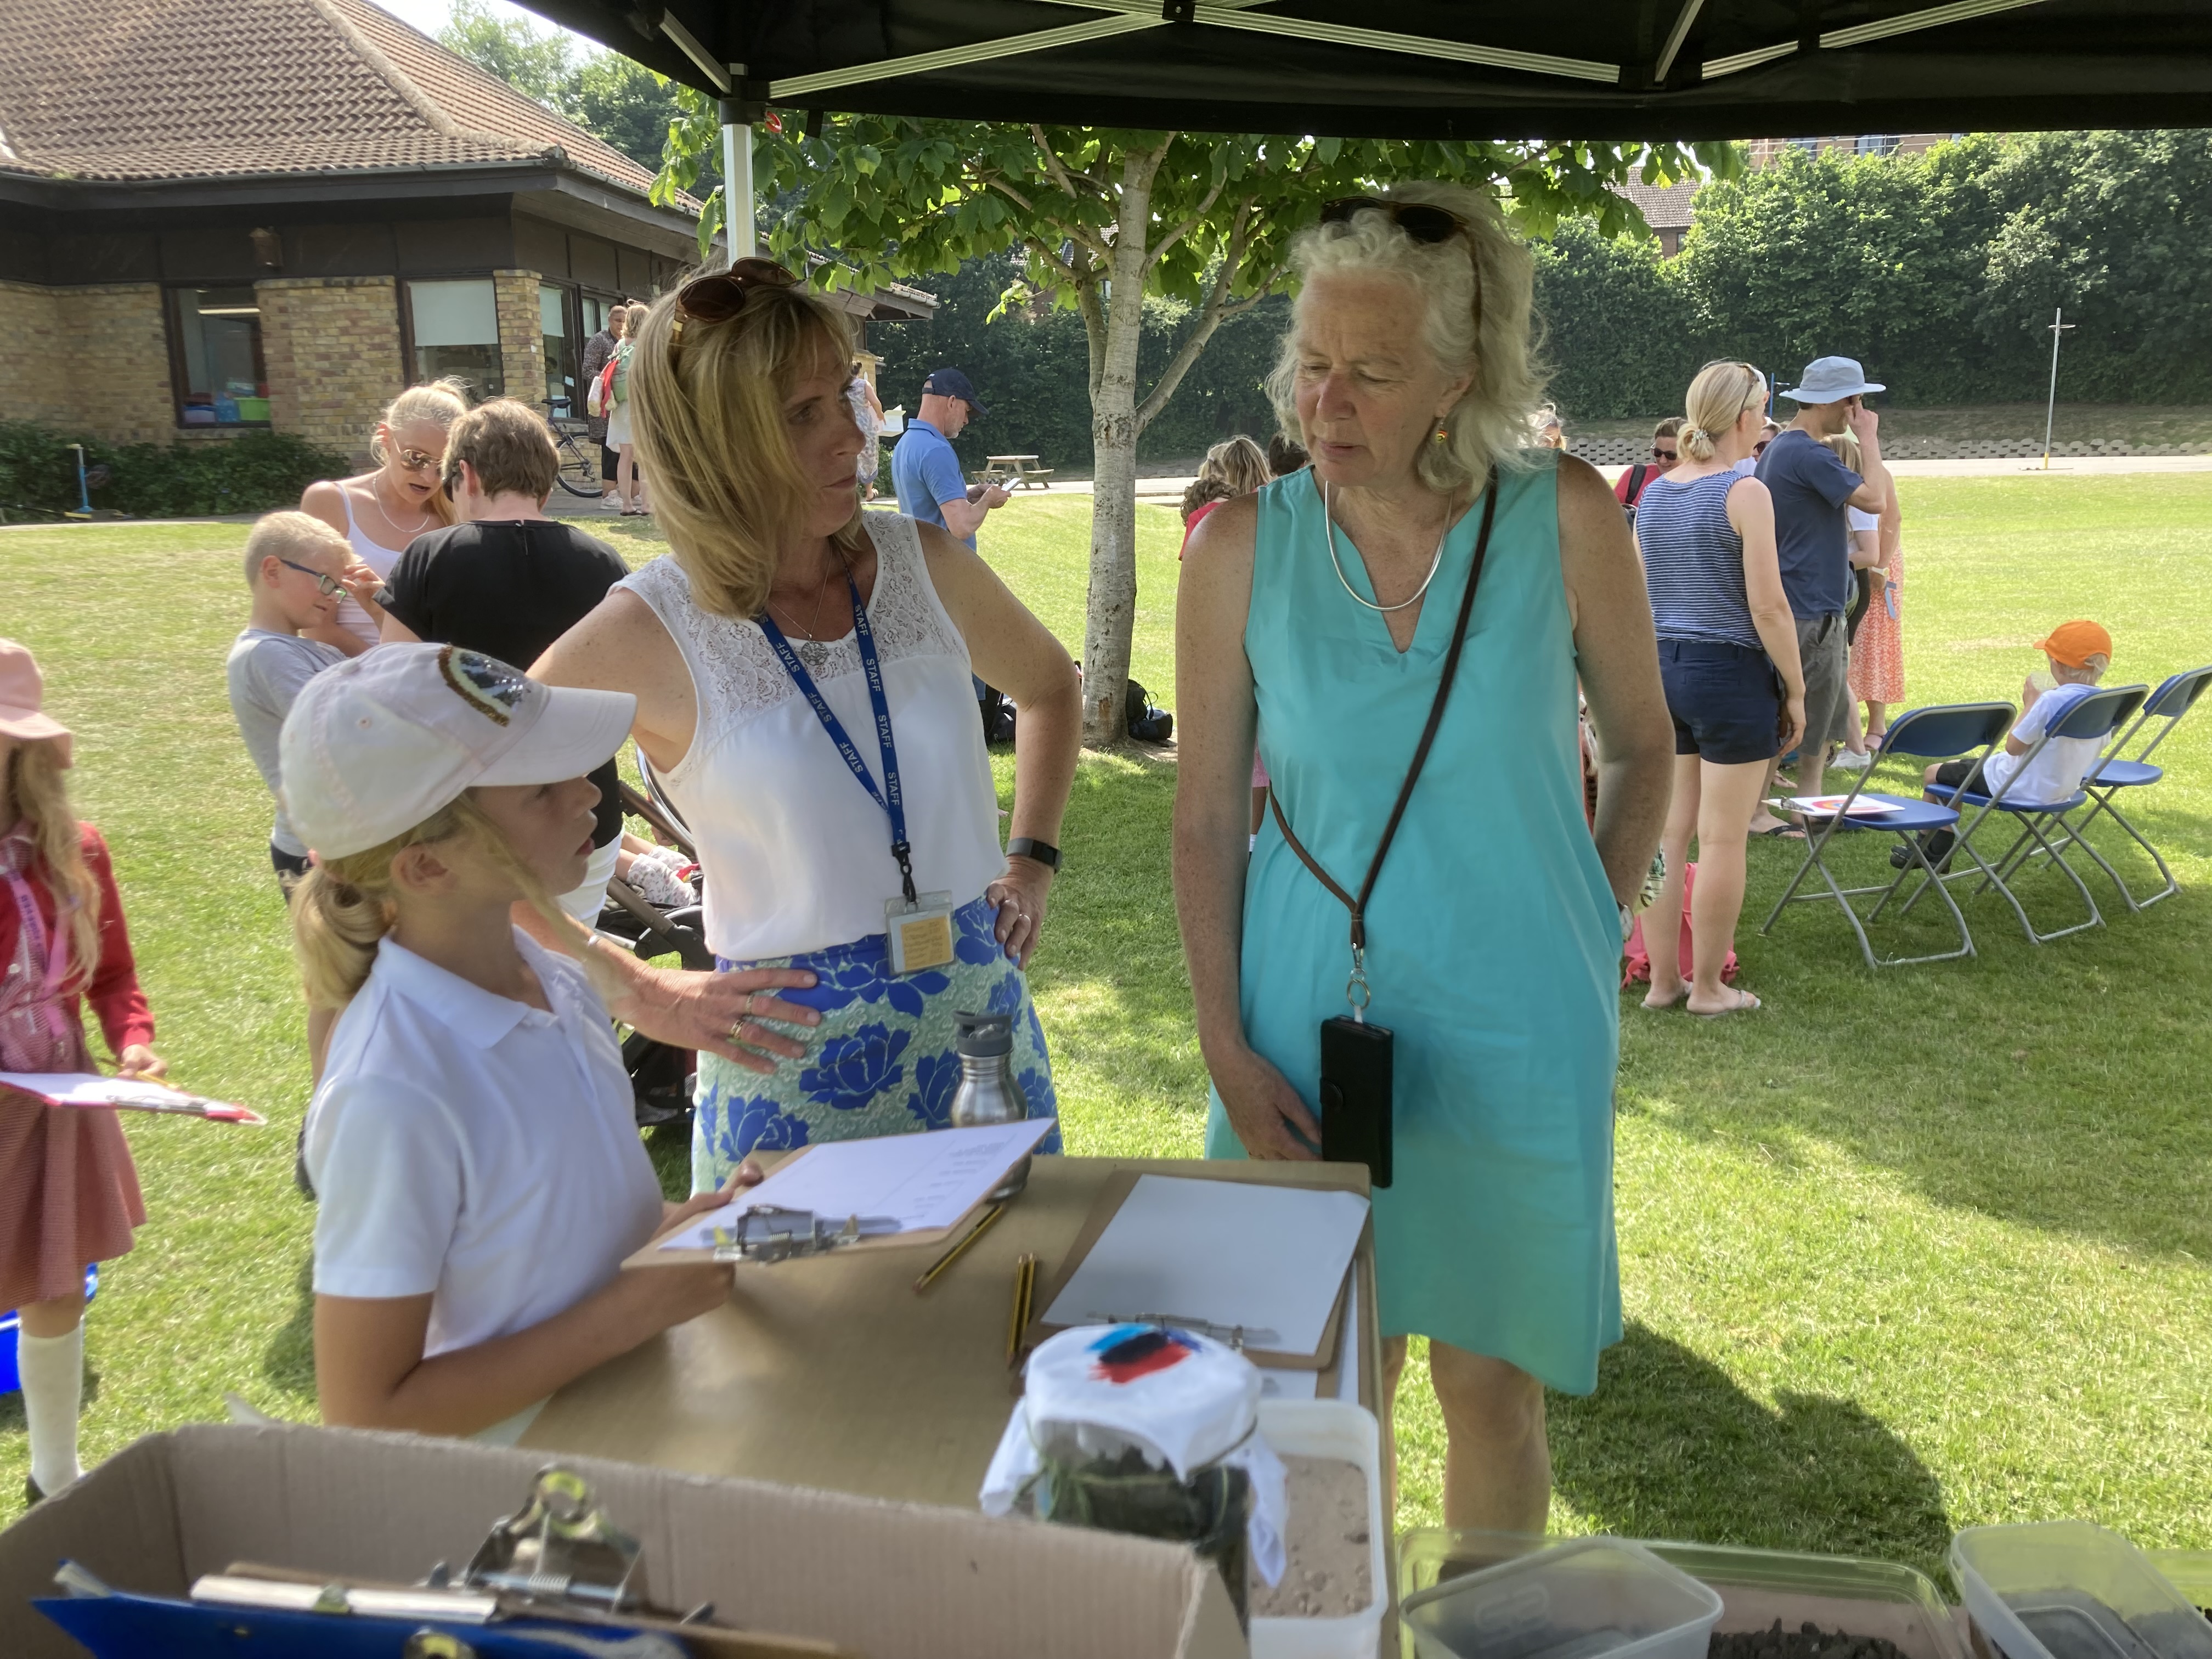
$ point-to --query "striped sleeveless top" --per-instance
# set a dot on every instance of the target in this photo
(1693, 560)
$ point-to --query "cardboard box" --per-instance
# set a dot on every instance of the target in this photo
(881, 1579)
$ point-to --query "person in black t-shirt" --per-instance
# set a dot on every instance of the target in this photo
(508, 581)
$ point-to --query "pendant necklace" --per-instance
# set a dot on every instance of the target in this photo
(812, 652)
(1328, 528)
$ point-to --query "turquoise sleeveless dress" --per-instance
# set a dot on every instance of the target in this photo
(1493, 942)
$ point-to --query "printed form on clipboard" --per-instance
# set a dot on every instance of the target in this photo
(1222, 1256)
(903, 1189)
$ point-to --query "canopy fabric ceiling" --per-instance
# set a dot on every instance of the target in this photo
(1444, 69)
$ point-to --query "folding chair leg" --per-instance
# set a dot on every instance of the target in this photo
(1843, 897)
(2031, 827)
(2106, 804)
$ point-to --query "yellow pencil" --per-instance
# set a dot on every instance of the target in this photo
(1025, 1296)
(953, 1255)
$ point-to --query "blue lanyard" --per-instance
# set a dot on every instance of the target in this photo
(888, 797)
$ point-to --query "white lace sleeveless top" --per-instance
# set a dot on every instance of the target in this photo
(796, 855)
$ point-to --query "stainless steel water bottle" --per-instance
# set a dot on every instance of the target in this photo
(987, 1092)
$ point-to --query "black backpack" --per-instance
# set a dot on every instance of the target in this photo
(1147, 722)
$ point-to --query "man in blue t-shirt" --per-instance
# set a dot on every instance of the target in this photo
(926, 473)
(1811, 488)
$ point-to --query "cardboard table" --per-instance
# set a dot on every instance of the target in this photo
(832, 1373)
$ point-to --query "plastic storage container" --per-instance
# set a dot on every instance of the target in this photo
(1330, 1428)
(2189, 1572)
(2066, 1589)
(11, 1323)
(1756, 1587)
(1590, 1598)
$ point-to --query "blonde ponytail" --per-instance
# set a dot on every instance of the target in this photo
(345, 906)
(1717, 400)
(34, 791)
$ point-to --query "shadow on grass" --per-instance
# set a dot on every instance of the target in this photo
(2050, 1085)
(288, 1359)
(1670, 1447)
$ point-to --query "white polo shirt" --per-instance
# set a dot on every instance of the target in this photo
(472, 1147)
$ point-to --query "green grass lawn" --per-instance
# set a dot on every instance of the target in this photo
(1900, 1254)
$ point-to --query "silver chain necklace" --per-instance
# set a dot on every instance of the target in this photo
(1328, 528)
(811, 651)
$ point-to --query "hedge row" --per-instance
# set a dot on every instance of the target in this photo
(252, 472)
(1938, 271)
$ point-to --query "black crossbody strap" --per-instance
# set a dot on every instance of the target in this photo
(1357, 906)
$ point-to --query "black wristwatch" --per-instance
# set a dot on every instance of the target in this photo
(1021, 846)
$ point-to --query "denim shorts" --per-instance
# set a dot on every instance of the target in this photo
(1726, 700)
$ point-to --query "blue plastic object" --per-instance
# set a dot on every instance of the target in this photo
(127, 1626)
(10, 1322)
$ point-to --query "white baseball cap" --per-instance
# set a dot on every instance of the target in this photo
(1831, 380)
(377, 744)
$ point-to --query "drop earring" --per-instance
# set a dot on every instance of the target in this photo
(1441, 435)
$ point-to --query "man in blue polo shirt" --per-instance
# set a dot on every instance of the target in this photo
(926, 473)
(1811, 487)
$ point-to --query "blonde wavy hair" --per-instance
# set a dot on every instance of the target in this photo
(36, 792)
(710, 433)
(344, 906)
(1235, 466)
(1478, 285)
(1846, 446)
(1717, 400)
(439, 403)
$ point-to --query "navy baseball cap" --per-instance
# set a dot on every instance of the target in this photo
(952, 383)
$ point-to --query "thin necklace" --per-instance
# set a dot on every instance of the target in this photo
(1328, 528)
(811, 651)
(391, 518)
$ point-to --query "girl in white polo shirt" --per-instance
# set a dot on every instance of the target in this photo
(472, 1142)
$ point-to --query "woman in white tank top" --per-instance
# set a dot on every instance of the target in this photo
(381, 512)
(786, 611)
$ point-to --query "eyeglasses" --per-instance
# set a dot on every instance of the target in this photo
(329, 585)
(416, 460)
(722, 294)
(1418, 220)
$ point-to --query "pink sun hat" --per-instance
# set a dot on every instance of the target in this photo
(22, 688)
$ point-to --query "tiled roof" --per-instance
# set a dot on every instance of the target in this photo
(1666, 207)
(143, 90)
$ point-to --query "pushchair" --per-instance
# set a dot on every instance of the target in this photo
(660, 1075)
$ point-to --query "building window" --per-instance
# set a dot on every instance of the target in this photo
(1877, 143)
(559, 348)
(221, 378)
(456, 333)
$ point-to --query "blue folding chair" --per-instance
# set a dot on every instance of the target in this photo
(1947, 731)
(2097, 716)
(2166, 705)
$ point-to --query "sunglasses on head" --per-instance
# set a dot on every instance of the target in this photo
(722, 294)
(1418, 220)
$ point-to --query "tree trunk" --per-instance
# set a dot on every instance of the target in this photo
(1110, 616)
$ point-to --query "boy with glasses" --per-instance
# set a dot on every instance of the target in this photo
(297, 568)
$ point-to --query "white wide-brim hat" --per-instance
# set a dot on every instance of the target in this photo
(378, 743)
(1831, 380)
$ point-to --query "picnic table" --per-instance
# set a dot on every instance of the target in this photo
(1014, 472)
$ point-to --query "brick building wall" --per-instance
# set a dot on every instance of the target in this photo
(332, 348)
(521, 338)
(94, 361)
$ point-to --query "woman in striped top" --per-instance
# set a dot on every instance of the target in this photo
(1728, 657)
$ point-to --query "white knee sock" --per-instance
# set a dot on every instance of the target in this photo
(53, 1368)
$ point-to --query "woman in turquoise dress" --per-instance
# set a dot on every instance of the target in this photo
(1316, 616)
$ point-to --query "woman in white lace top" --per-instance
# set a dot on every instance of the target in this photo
(767, 656)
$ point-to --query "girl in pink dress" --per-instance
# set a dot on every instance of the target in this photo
(69, 1193)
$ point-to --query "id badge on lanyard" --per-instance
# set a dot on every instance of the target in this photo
(918, 926)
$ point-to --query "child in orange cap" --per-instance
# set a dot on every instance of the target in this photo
(2078, 653)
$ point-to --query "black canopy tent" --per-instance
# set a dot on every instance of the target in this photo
(1487, 69)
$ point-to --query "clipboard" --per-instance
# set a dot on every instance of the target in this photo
(1115, 1192)
(831, 1239)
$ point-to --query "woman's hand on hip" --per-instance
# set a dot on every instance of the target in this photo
(1020, 895)
(721, 1013)
(1269, 1116)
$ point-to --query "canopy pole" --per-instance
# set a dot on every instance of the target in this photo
(741, 232)
(2058, 326)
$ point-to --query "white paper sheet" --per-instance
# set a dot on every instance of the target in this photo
(919, 1180)
(1306, 1385)
(1227, 1252)
(82, 1089)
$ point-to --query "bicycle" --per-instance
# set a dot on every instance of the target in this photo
(580, 467)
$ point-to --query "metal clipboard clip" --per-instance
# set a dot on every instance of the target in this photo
(1235, 1336)
(770, 1233)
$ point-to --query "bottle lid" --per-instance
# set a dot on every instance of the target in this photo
(980, 1036)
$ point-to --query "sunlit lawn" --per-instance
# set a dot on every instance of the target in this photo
(1899, 1254)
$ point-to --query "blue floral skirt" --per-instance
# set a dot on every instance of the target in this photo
(882, 1061)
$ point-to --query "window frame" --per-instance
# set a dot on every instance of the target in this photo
(408, 362)
(173, 327)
